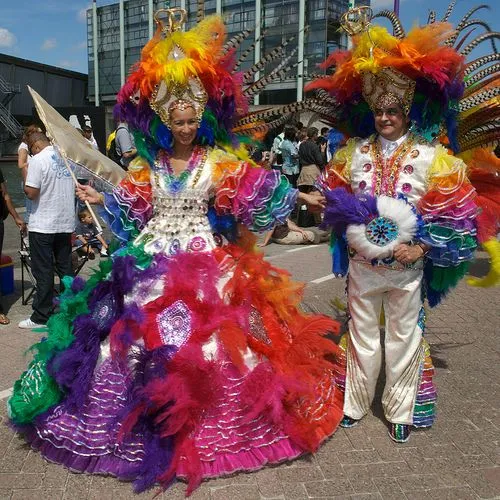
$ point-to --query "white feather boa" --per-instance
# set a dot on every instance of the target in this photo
(400, 214)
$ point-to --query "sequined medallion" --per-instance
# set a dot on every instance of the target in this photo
(174, 324)
(381, 231)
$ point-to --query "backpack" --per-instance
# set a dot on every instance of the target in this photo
(111, 148)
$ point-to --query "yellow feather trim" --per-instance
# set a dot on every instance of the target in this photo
(342, 159)
(446, 172)
(492, 247)
(223, 163)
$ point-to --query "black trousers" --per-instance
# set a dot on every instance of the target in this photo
(47, 251)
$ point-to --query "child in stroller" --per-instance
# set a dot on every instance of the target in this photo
(88, 239)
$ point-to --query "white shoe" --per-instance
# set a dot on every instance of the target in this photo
(104, 252)
(28, 324)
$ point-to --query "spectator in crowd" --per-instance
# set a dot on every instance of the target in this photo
(290, 154)
(291, 234)
(87, 133)
(276, 159)
(324, 132)
(125, 145)
(23, 156)
(88, 234)
(322, 142)
(301, 137)
(52, 222)
(311, 161)
(6, 208)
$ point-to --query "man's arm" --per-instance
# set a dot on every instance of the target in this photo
(102, 240)
(33, 182)
(127, 148)
(319, 159)
(267, 238)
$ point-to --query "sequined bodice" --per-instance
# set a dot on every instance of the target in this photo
(179, 221)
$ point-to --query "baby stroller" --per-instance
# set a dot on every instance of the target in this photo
(79, 257)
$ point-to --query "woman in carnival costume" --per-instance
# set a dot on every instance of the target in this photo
(186, 356)
(405, 216)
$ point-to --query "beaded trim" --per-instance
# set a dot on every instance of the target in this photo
(177, 183)
(386, 172)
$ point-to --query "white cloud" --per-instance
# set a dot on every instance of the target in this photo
(66, 63)
(49, 44)
(82, 13)
(7, 39)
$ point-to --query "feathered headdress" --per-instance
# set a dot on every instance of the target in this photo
(445, 86)
(179, 69)
(198, 68)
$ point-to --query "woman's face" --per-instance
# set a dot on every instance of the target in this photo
(390, 122)
(184, 125)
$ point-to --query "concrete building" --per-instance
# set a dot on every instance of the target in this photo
(61, 87)
(117, 32)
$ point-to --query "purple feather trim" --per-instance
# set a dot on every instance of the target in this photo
(343, 209)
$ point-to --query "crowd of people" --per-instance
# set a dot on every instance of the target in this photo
(188, 355)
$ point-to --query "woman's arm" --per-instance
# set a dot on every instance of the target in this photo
(22, 162)
(10, 207)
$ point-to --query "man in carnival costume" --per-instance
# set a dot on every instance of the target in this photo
(405, 217)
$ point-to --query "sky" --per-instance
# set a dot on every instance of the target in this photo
(55, 31)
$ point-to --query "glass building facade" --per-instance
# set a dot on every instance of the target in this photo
(280, 20)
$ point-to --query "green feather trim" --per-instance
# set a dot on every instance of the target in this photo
(444, 278)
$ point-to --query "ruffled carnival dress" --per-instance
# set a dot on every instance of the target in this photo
(185, 355)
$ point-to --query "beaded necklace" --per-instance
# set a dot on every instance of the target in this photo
(176, 183)
(386, 171)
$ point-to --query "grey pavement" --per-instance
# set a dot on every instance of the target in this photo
(459, 458)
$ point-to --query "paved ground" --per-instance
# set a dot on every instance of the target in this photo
(458, 459)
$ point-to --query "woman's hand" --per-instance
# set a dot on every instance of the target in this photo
(315, 201)
(88, 193)
(20, 224)
(408, 254)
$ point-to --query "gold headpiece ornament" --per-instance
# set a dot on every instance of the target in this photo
(388, 87)
(167, 97)
(356, 20)
(176, 17)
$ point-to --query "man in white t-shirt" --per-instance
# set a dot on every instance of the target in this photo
(52, 221)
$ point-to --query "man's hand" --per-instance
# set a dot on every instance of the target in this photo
(315, 201)
(408, 254)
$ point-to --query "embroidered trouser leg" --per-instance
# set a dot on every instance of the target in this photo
(399, 291)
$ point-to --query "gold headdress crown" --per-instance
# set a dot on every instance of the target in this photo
(387, 87)
(176, 95)
(356, 20)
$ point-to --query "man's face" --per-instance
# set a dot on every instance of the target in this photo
(36, 146)
(87, 134)
(390, 122)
